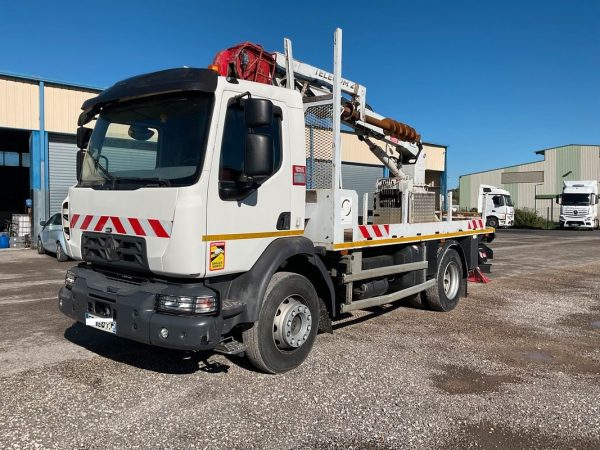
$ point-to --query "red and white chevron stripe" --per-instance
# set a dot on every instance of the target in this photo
(123, 225)
(374, 231)
(475, 224)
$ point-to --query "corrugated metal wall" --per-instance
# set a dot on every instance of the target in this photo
(61, 170)
(19, 104)
(570, 162)
(355, 151)
(62, 108)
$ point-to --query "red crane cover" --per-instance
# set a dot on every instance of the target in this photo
(246, 61)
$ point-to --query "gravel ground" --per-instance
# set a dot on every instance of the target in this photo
(516, 365)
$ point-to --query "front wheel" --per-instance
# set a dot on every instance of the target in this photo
(492, 222)
(40, 247)
(287, 324)
(450, 286)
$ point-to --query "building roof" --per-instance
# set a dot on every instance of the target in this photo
(537, 152)
(50, 81)
(543, 151)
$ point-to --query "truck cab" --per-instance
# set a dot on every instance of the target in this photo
(579, 204)
(497, 205)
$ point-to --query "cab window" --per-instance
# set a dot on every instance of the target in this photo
(498, 200)
(231, 165)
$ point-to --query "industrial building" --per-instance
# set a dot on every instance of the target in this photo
(38, 120)
(38, 123)
(535, 185)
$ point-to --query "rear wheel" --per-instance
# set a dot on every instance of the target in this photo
(40, 247)
(450, 286)
(287, 324)
(60, 253)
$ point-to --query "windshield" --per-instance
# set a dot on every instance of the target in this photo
(151, 143)
(576, 199)
(508, 201)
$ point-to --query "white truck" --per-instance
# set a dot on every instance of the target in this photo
(579, 204)
(496, 206)
(210, 212)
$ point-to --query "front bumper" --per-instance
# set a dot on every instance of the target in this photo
(132, 306)
(576, 223)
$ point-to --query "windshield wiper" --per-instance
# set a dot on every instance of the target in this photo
(107, 175)
(147, 181)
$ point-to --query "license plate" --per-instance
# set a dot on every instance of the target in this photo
(102, 323)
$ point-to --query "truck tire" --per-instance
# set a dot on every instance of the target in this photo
(450, 286)
(492, 222)
(287, 324)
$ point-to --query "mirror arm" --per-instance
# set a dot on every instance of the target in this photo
(238, 98)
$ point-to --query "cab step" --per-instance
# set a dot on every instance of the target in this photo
(229, 346)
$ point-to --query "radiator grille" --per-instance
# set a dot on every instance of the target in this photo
(114, 250)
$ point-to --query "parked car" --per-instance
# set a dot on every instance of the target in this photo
(52, 239)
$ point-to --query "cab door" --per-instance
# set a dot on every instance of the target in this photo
(239, 229)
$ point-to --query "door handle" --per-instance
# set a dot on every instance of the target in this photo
(283, 221)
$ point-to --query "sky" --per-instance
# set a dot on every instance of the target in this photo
(493, 80)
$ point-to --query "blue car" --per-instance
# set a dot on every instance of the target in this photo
(52, 239)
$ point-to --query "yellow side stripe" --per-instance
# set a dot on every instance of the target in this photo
(262, 234)
(400, 240)
(345, 245)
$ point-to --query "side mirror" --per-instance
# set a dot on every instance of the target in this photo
(42, 222)
(80, 156)
(258, 157)
(83, 137)
(557, 199)
(258, 112)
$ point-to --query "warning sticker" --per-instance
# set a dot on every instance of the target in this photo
(217, 255)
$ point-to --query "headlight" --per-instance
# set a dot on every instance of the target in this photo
(70, 278)
(588, 218)
(179, 304)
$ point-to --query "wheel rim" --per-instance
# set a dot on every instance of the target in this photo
(451, 280)
(292, 323)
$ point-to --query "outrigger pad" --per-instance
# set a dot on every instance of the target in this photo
(476, 276)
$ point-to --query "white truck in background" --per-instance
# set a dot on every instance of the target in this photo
(497, 206)
(578, 204)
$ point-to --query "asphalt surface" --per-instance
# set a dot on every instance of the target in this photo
(516, 365)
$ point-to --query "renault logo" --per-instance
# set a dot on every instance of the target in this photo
(111, 248)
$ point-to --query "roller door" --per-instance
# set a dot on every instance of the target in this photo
(361, 178)
(62, 157)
